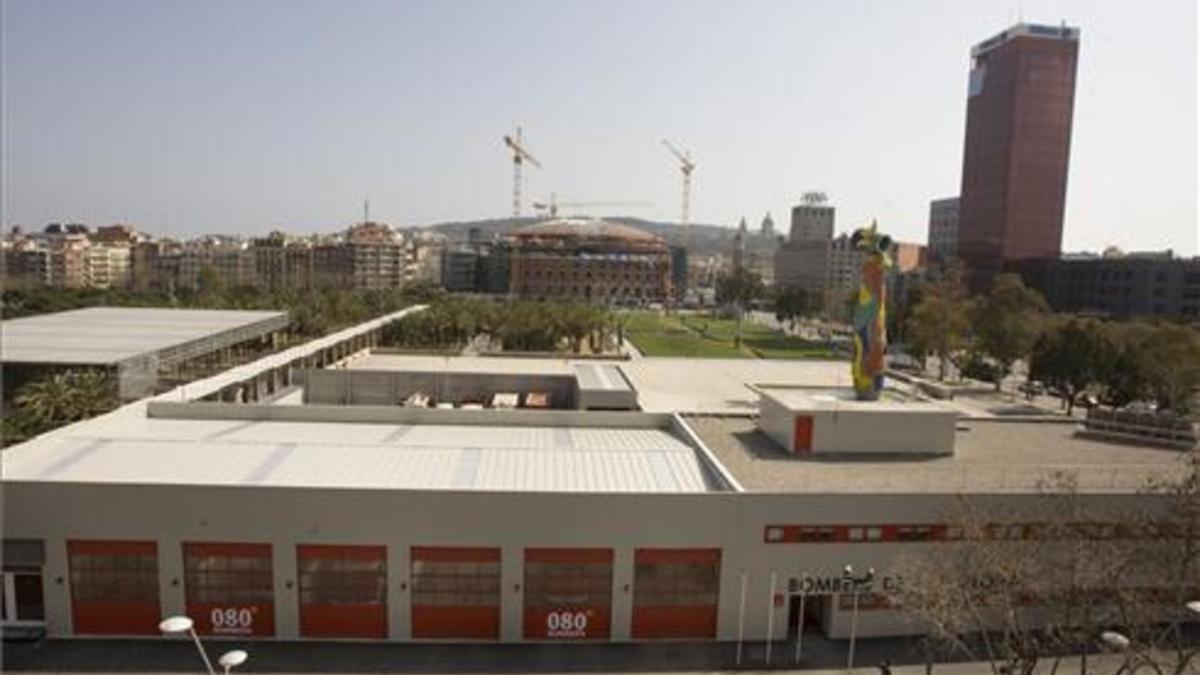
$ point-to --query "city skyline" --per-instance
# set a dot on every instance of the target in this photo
(197, 123)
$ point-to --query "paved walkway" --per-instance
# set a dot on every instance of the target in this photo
(178, 656)
(822, 657)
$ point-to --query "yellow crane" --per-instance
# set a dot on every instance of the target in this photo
(520, 155)
(685, 166)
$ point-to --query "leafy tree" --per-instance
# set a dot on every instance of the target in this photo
(1028, 582)
(1169, 361)
(577, 321)
(791, 304)
(1069, 357)
(1007, 321)
(939, 321)
(64, 397)
(738, 289)
(208, 282)
(1120, 373)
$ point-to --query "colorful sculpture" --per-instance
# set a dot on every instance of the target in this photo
(870, 313)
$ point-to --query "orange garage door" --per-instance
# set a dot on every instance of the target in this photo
(343, 591)
(568, 593)
(456, 593)
(229, 588)
(114, 587)
(675, 593)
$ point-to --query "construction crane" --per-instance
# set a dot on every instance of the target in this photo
(551, 207)
(685, 165)
(520, 155)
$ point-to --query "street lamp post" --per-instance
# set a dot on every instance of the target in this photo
(857, 582)
(175, 625)
(800, 619)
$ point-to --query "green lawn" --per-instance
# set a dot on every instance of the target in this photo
(699, 335)
(656, 335)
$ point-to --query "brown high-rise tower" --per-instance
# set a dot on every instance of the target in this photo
(1014, 182)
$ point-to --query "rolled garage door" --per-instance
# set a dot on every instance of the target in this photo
(568, 593)
(114, 587)
(456, 593)
(343, 591)
(230, 588)
(675, 593)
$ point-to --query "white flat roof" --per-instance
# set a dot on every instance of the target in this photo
(664, 384)
(843, 398)
(423, 363)
(156, 451)
(600, 377)
(109, 335)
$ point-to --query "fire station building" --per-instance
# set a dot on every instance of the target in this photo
(282, 520)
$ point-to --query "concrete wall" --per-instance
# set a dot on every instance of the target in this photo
(137, 377)
(392, 414)
(883, 431)
(389, 387)
(285, 517)
(777, 422)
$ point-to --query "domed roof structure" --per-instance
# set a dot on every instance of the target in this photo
(582, 228)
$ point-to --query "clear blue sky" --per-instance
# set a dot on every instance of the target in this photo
(188, 117)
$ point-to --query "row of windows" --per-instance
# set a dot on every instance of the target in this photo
(461, 583)
(226, 578)
(332, 580)
(554, 584)
(787, 534)
(662, 584)
(98, 585)
(576, 276)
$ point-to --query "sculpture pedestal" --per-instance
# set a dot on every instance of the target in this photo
(831, 421)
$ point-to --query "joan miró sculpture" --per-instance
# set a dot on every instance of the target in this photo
(870, 313)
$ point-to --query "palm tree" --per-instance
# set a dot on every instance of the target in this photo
(65, 397)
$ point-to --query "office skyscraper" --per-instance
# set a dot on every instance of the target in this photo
(1020, 103)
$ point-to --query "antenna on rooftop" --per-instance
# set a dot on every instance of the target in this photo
(366, 210)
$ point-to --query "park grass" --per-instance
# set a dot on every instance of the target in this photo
(695, 335)
(781, 346)
(666, 335)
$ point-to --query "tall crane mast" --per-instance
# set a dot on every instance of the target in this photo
(520, 155)
(685, 166)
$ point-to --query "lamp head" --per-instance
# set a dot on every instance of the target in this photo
(175, 624)
(233, 659)
(1114, 639)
